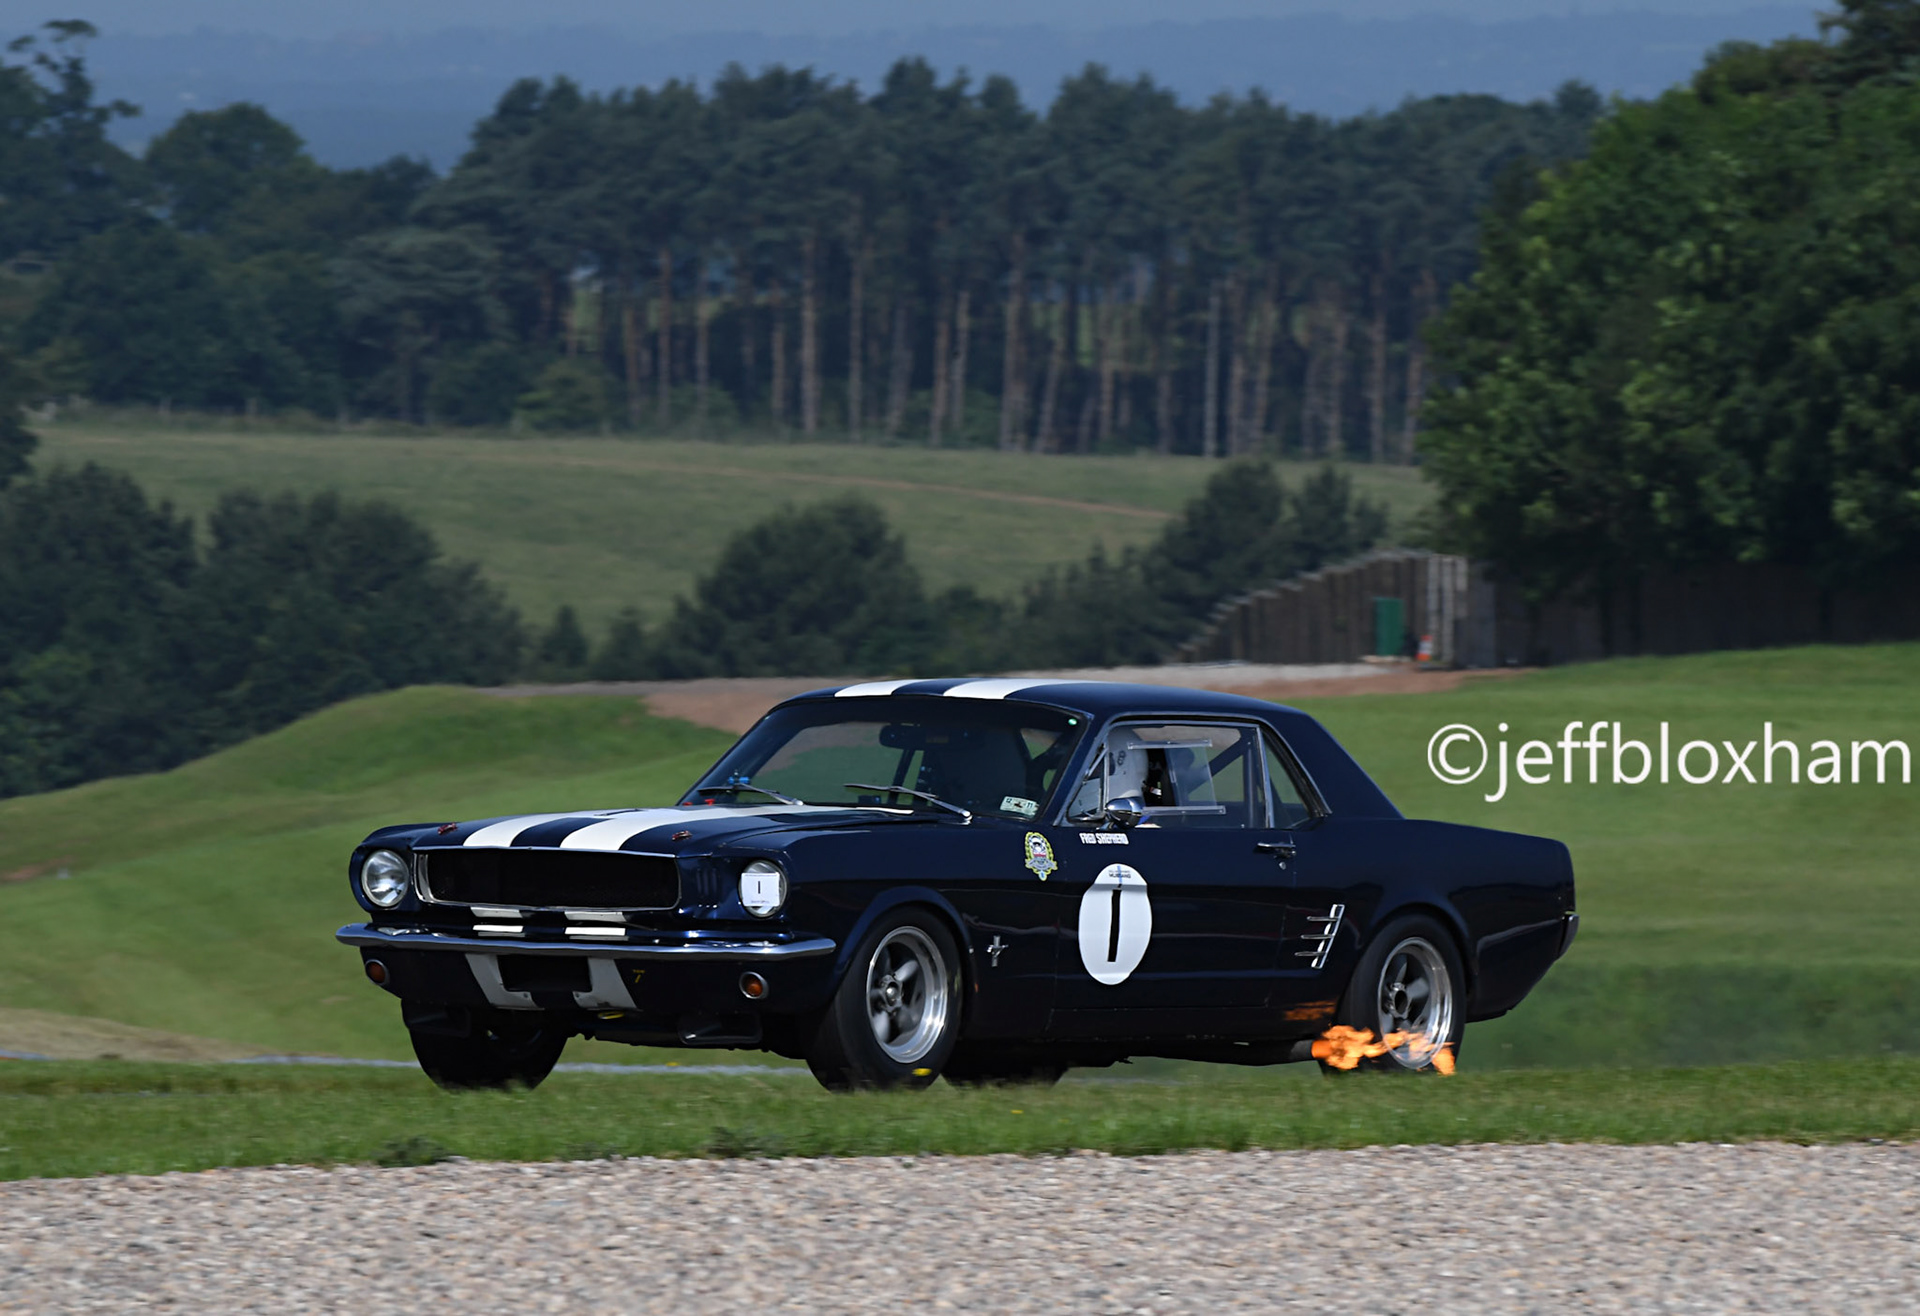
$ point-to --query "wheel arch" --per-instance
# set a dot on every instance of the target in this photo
(897, 898)
(1450, 920)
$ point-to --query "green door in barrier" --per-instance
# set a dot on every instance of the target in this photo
(1389, 627)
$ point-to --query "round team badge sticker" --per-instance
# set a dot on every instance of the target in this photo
(1116, 923)
(1040, 859)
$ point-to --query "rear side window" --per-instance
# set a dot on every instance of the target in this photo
(1287, 801)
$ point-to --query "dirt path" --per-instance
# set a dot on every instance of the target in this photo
(705, 470)
(736, 703)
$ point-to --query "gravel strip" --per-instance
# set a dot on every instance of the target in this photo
(1546, 1229)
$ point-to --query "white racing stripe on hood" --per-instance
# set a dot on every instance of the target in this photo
(1000, 688)
(866, 688)
(503, 832)
(616, 832)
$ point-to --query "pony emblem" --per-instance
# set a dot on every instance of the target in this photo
(1040, 856)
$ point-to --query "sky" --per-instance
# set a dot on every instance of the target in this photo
(363, 80)
(656, 18)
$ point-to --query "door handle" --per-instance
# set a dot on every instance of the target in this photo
(1279, 849)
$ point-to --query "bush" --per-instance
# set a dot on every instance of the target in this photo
(570, 394)
(826, 588)
(479, 386)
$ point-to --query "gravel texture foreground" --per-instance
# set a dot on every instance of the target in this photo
(1409, 1229)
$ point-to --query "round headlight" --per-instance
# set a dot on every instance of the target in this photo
(763, 888)
(384, 877)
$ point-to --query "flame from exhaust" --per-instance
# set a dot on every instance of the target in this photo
(1344, 1048)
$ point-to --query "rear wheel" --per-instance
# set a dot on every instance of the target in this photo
(500, 1052)
(1409, 983)
(895, 1018)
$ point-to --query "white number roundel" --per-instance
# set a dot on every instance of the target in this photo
(1116, 923)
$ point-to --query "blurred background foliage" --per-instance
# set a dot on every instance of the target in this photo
(1662, 333)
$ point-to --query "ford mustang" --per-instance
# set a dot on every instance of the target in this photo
(991, 880)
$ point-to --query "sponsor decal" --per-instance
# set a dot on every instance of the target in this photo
(1024, 807)
(1104, 838)
(1116, 923)
(1040, 860)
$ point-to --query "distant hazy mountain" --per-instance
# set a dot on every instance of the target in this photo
(653, 19)
(358, 99)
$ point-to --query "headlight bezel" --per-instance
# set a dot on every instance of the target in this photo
(393, 869)
(755, 896)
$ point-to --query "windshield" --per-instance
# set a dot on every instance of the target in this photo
(988, 757)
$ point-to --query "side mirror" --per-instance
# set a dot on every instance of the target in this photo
(1124, 812)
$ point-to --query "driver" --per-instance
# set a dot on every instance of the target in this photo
(1135, 767)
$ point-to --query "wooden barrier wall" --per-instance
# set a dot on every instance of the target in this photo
(1475, 619)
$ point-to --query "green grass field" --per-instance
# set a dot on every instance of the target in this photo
(603, 523)
(71, 1119)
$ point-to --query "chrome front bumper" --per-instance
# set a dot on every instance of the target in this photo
(366, 934)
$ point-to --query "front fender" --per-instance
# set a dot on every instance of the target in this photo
(889, 900)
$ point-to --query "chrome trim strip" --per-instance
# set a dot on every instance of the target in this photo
(365, 934)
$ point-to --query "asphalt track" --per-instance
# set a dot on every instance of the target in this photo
(1482, 1229)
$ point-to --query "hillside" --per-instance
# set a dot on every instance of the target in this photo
(603, 523)
(1721, 923)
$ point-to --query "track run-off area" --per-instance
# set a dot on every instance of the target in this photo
(1485, 1229)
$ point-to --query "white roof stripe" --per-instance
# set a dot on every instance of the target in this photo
(866, 688)
(995, 689)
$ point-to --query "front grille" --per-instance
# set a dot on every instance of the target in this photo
(551, 879)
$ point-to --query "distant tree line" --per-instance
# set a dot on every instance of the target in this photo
(1701, 344)
(932, 261)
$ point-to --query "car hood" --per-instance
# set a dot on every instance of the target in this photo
(652, 831)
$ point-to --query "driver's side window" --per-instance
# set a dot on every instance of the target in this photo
(1190, 775)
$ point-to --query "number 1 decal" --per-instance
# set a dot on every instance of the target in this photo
(1116, 923)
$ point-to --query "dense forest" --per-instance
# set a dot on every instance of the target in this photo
(1701, 343)
(932, 261)
(1693, 343)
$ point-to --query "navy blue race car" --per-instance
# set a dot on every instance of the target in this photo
(992, 880)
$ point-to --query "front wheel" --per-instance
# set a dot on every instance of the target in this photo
(895, 1018)
(498, 1053)
(1404, 1008)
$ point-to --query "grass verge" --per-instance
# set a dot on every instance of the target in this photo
(62, 1120)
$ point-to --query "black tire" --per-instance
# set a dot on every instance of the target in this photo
(1383, 996)
(502, 1051)
(974, 1065)
(888, 1025)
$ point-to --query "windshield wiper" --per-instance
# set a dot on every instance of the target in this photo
(737, 787)
(966, 815)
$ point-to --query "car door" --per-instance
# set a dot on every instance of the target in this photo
(1330, 894)
(1170, 923)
